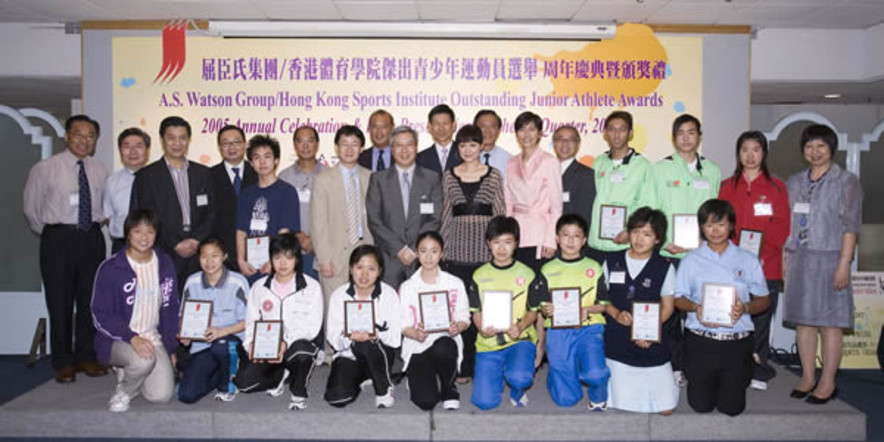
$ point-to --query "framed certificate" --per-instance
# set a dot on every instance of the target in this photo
(359, 317)
(646, 321)
(435, 313)
(566, 307)
(497, 309)
(718, 300)
(258, 250)
(266, 339)
(196, 317)
(612, 221)
(751, 240)
(686, 231)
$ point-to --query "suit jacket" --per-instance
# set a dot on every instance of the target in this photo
(429, 159)
(578, 188)
(328, 218)
(153, 189)
(391, 229)
(225, 209)
(365, 159)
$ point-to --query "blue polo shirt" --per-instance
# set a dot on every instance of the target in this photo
(228, 298)
(735, 266)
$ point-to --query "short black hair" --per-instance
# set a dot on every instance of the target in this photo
(174, 121)
(572, 219)
(305, 127)
(286, 243)
(138, 217)
(230, 127)
(758, 137)
(350, 130)
(647, 216)
(820, 132)
(468, 133)
(484, 112)
(431, 234)
(441, 109)
(716, 210)
(528, 117)
(501, 225)
(212, 241)
(69, 123)
(263, 141)
(682, 119)
(364, 250)
(133, 131)
(620, 115)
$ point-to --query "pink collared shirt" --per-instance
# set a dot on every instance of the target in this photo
(534, 197)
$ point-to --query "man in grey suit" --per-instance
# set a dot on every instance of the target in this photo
(578, 181)
(402, 202)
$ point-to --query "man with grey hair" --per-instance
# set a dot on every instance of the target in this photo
(402, 202)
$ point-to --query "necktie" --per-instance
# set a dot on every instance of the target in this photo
(487, 158)
(444, 157)
(84, 212)
(406, 192)
(381, 165)
(237, 181)
(352, 210)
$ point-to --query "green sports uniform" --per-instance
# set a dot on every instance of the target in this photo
(623, 184)
(583, 273)
(517, 278)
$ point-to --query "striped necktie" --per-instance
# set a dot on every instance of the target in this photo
(353, 220)
(84, 212)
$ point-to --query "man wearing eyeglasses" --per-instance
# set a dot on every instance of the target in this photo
(229, 178)
(62, 202)
(578, 181)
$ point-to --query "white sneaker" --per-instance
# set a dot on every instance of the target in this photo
(119, 402)
(451, 404)
(680, 379)
(385, 401)
(225, 396)
(297, 403)
(366, 385)
(758, 385)
(522, 402)
(600, 406)
(280, 389)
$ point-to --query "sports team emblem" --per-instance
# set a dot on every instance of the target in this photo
(520, 281)
(267, 305)
(646, 283)
(590, 273)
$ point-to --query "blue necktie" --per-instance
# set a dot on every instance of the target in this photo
(237, 181)
(487, 158)
(381, 165)
(84, 212)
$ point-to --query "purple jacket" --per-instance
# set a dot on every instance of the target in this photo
(113, 297)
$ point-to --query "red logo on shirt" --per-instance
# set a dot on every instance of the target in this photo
(267, 305)
(603, 173)
(590, 273)
(676, 182)
(520, 281)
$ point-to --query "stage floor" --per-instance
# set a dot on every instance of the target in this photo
(79, 410)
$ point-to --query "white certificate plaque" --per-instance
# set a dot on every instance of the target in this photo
(196, 316)
(646, 321)
(258, 250)
(686, 231)
(359, 317)
(497, 309)
(718, 301)
(266, 339)
(566, 307)
(612, 221)
(751, 240)
(435, 313)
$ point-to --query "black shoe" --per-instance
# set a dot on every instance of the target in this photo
(799, 394)
(820, 401)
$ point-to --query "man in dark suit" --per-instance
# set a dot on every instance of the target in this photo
(402, 202)
(378, 157)
(180, 193)
(229, 177)
(578, 181)
(441, 126)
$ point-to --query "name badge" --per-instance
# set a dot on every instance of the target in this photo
(801, 208)
(618, 177)
(202, 200)
(74, 199)
(763, 209)
(566, 197)
(701, 184)
(258, 225)
(618, 277)
(426, 208)
(304, 195)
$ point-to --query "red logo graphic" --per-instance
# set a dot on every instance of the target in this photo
(268, 327)
(590, 273)
(174, 52)
(434, 299)
(676, 182)
(520, 281)
(267, 305)
(566, 295)
(198, 307)
(751, 236)
(358, 306)
(646, 308)
(603, 173)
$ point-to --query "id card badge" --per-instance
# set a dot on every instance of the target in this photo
(202, 200)
(763, 209)
(802, 208)
(701, 184)
(618, 277)
(426, 208)
(304, 195)
(74, 199)
(566, 197)
(258, 225)
(617, 177)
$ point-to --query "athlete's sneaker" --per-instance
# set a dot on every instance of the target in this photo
(225, 396)
(758, 385)
(280, 389)
(366, 385)
(385, 401)
(451, 404)
(598, 406)
(680, 379)
(119, 402)
(297, 403)
(521, 403)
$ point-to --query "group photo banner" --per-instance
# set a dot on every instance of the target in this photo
(274, 86)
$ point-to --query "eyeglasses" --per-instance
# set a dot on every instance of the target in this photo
(237, 143)
(78, 136)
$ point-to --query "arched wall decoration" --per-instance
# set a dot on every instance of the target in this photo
(852, 149)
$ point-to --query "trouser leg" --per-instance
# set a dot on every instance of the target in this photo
(488, 381)
(762, 321)
(298, 359)
(377, 359)
(519, 368)
(58, 279)
(87, 255)
(343, 381)
(590, 355)
(562, 380)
